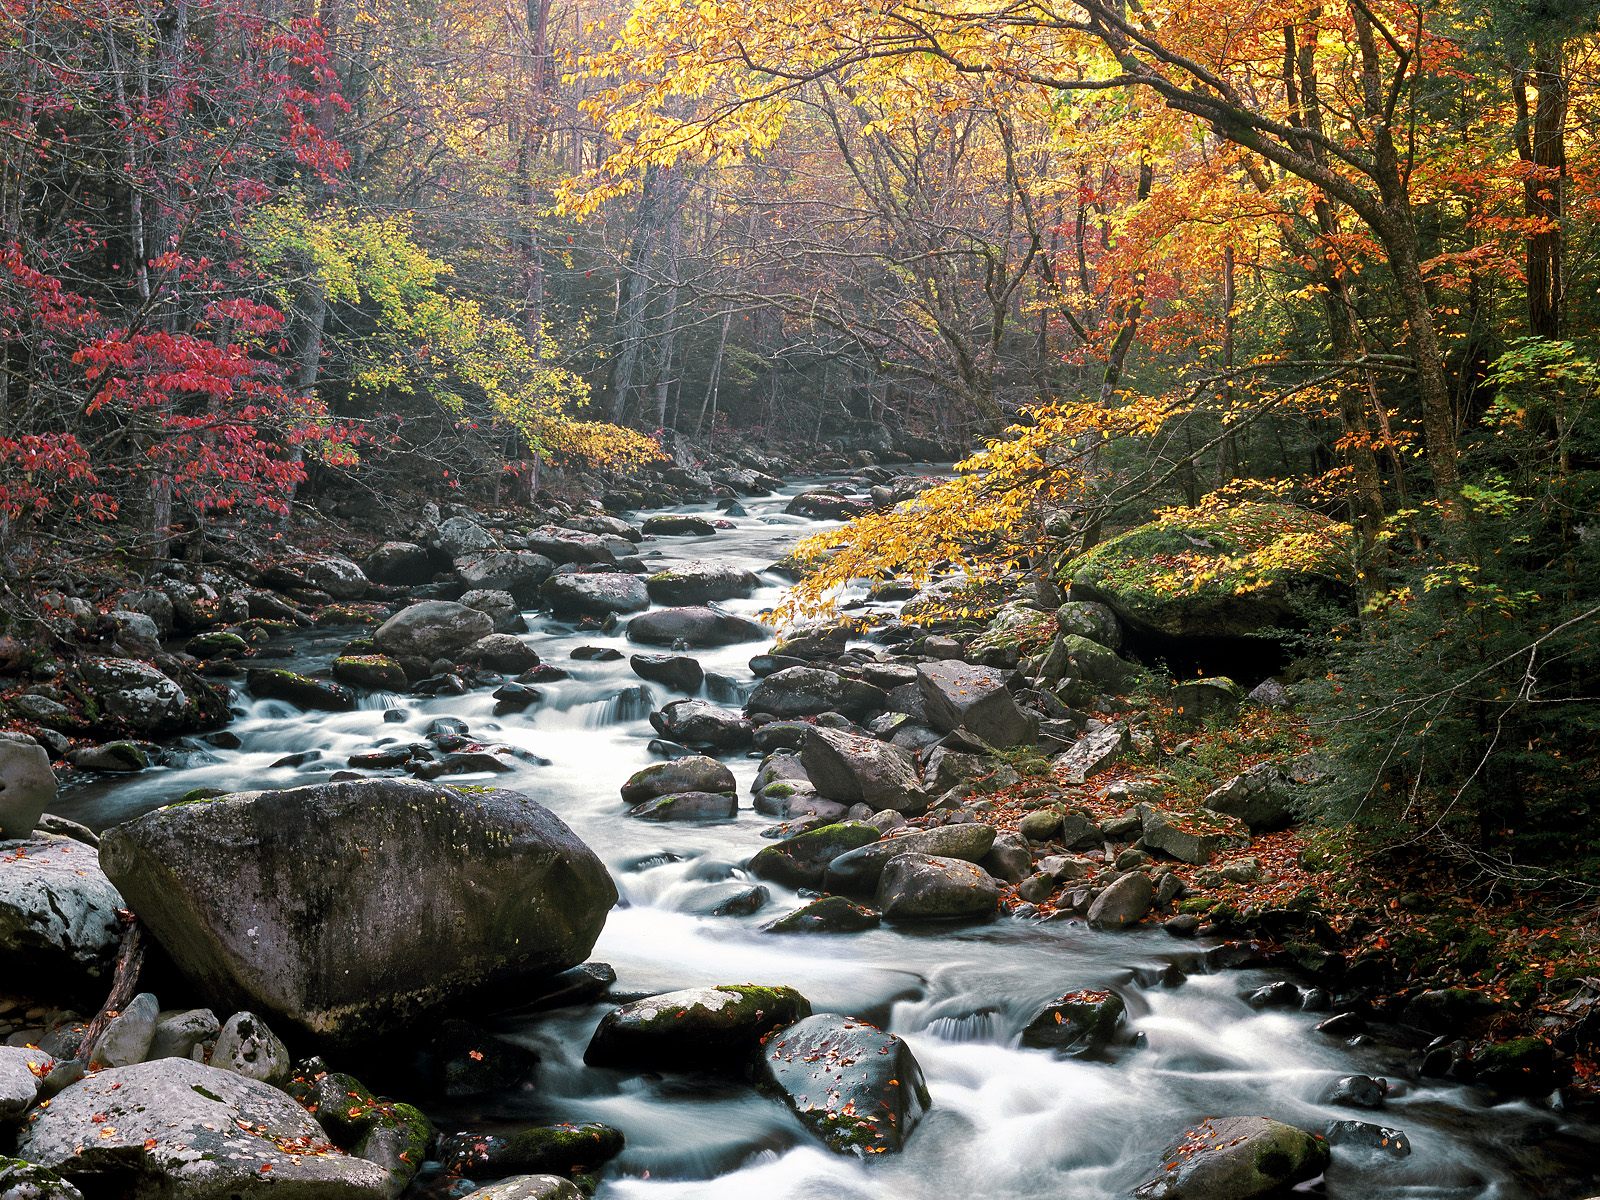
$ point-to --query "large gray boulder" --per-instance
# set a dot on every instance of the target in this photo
(858, 871)
(519, 572)
(1124, 903)
(811, 691)
(697, 625)
(27, 784)
(339, 577)
(715, 1029)
(462, 535)
(173, 1129)
(570, 546)
(531, 1187)
(697, 723)
(922, 887)
(595, 594)
(695, 582)
(959, 695)
(1261, 797)
(1237, 1158)
(137, 697)
(856, 1087)
(694, 773)
(432, 629)
(58, 917)
(352, 909)
(854, 768)
(21, 1070)
(399, 563)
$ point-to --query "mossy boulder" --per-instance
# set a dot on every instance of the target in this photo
(375, 672)
(829, 914)
(537, 1150)
(301, 690)
(1237, 1158)
(715, 1029)
(802, 860)
(1238, 573)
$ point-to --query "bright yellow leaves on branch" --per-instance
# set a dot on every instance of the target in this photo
(427, 340)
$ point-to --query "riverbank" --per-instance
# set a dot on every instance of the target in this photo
(696, 910)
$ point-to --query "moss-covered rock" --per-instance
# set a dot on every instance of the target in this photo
(375, 672)
(714, 1029)
(538, 1150)
(1237, 1158)
(1236, 573)
(802, 860)
(301, 690)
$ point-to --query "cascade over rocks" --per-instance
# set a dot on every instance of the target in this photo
(351, 909)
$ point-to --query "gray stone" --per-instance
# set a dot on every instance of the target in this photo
(693, 626)
(850, 767)
(696, 582)
(27, 784)
(810, 691)
(595, 594)
(58, 917)
(687, 806)
(1124, 903)
(247, 1047)
(500, 607)
(858, 871)
(1009, 859)
(1079, 1023)
(178, 1033)
(1260, 797)
(1194, 838)
(697, 723)
(695, 773)
(675, 670)
(714, 1029)
(802, 859)
(135, 633)
(27, 1181)
(1217, 698)
(432, 629)
(1236, 1158)
(110, 758)
(21, 1069)
(127, 1038)
(570, 546)
(461, 535)
(321, 695)
(351, 909)
(502, 652)
(920, 887)
(136, 696)
(339, 577)
(531, 1187)
(517, 572)
(178, 1130)
(1089, 619)
(1093, 753)
(956, 695)
(399, 563)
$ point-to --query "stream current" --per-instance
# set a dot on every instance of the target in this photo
(1007, 1123)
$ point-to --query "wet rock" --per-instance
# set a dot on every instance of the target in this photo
(727, 899)
(339, 577)
(432, 629)
(696, 723)
(809, 691)
(594, 595)
(1356, 1091)
(1260, 797)
(373, 672)
(466, 1059)
(921, 887)
(830, 914)
(1193, 838)
(687, 806)
(858, 871)
(302, 691)
(247, 1047)
(1123, 903)
(1078, 1023)
(850, 767)
(696, 773)
(696, 582)
(500, 607)
(1524, 1066)
(175, 1128)
(216, 644)
(502, 652)
(1237, 1158)
(858, 1089)
(824, 505)
(518, 572)
(1450, 1010)
(530, 1187)
(27, 784)
(306, 905)
(400, 563)
(802, 860)
(58, 918)
(1360, 1134)
(696, 625)
(569, 546)
(781, 735)
(677, 525)
(137, 697)
(676, 671)
(956, 695)
(538, 1150)
(1214, 699)
(713, 1029)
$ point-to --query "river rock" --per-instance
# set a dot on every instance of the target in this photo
(921, 887)
(696, 582)
(829, 914)
(1123, 903)
(714, 1029)
(27, 784)
(462, 535)
(178, 1130)
(1237, 1158)
(500, 607)
(810, 691)
(824, 505)
(569, 546)
(1260, 797)
(695, 773)
(858, 1088)
(302, 691)
(433, 629)
(518, 572)
(134, 633)
(137, 697)
(247, 1047)
(58, 917)
(178, 1033)
(21, 1069)
(677, 671)
(677, 525)
(530, 1187)
(402, 563)
(802, 860)
(851, 767)
(1078, 1023)
(595, 594)
(28, 1181)
(688, 806)
(697, 625)
(310, 905)
(537, 1150)
(858, 871)
(697, 723)
(958, 695)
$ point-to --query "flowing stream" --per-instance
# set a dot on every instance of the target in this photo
(1006, 1123)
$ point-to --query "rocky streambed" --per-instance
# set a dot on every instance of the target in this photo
(836, 965)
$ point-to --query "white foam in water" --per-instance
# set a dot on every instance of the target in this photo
(1006, 1123)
